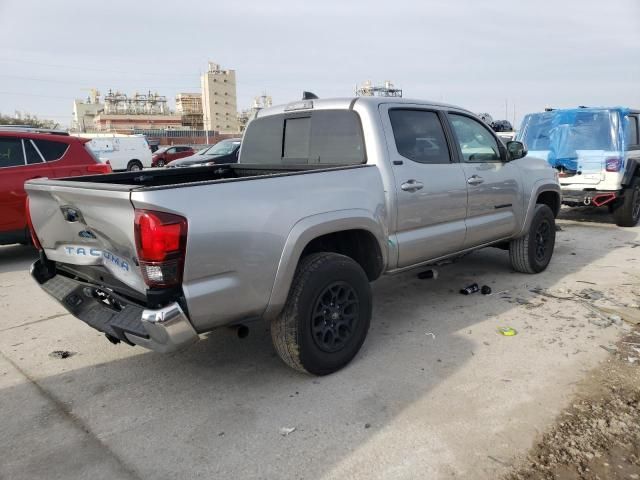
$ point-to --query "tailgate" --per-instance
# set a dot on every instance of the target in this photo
(87, 224)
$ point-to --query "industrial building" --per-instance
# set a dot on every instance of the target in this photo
(244, 117)
(368, 89)
(85, 112)
(219, 104)
(212, 110)
(189, 107)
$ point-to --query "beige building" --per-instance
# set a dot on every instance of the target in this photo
(189, 106)
(125, 123)
(85, 112)
(219, 105)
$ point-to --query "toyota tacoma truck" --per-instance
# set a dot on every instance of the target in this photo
(327, 196)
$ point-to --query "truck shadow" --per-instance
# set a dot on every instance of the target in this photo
(16, 258)
(587, 214)
(216, 410)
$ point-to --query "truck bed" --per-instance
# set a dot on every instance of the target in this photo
(187, 176)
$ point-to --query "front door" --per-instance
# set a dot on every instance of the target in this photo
(494, 196)
(430, 185)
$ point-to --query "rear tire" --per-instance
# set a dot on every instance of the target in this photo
(532, 252)
(326, 317)
(134, 166)
(627, 213)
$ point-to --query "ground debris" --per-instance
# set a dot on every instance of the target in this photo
(284, 431)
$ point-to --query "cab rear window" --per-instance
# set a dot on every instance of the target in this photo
(51, 150)
(318, 137)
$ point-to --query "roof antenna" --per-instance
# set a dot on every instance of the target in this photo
(308, 95)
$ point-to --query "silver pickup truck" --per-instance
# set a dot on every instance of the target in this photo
(328, 195)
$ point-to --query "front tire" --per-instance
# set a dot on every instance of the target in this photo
(627, 213)
(532, 252)
(326, 317)
(160, 163)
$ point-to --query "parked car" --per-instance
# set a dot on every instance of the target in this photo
(122, 152)
(501, 126)
(27, 153)
(225, 151)
(328, 195)
(596, 150)
(166, 155)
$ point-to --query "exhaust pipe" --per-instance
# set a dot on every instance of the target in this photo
(242, 331)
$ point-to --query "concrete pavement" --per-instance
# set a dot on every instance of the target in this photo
(435, 392)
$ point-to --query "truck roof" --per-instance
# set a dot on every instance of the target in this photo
(345, 103)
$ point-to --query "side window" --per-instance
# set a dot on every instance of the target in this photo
(30, 151)
(336, 138)
(419, 136)
(171, 150)
(11, 154)
(631, 133)
(51, 150)
(476, 142)
(297, 132)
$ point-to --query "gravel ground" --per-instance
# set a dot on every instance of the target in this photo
(598, 436)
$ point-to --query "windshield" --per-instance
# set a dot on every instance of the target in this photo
(566, 131)
(162, 150)
(223, 148)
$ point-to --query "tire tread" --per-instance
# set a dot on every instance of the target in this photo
(284, 328)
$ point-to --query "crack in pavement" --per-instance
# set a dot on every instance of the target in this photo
(32, 322)
(75, 421)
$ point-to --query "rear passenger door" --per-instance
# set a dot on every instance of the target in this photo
(53, 153)
(19, 162)
(430, 184)
(493, 183)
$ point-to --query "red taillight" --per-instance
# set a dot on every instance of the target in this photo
(613, 164)
(161, 241)
(99, 168)
(34, 237)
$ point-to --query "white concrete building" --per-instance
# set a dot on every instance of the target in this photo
(219, 104)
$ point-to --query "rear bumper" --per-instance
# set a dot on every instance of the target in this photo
(596, 198)
(165, 329)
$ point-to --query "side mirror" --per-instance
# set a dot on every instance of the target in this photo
(516, 150)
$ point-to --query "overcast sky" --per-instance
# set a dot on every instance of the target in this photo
(472, 53)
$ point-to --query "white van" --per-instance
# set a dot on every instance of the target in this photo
(122, 152)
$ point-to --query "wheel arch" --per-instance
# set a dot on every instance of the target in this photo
(546, 193)
(354, 233)
(632, 169)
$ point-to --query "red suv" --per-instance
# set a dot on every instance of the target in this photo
(166, 155)
(27, 153)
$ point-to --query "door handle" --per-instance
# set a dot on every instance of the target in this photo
(411, 186)
(475, 180)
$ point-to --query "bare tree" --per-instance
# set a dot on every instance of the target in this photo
(23, 118)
